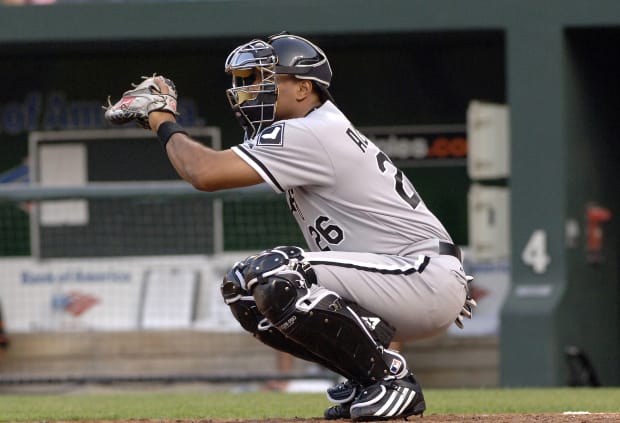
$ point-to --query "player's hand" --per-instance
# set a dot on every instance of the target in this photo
(155, 94)
(468, 307)
(156, 117)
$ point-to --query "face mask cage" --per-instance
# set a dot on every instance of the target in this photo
(253, 94)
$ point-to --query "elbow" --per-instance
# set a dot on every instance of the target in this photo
(203, 185)
(203, 182)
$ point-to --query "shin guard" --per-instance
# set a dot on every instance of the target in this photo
(243, 307)
(323, 323)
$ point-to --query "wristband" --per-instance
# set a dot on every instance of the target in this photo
(166, 130)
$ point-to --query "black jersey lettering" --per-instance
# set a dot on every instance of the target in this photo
(358, 138)
(400, 180)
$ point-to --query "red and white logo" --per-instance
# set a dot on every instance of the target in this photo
(125, 102)
(75, 303)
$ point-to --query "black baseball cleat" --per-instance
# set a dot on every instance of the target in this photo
(343, 394)
(389, 399)
(340, 411)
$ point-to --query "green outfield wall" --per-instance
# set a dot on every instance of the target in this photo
(406, 62)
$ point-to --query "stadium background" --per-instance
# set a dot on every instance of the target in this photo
(404, 65)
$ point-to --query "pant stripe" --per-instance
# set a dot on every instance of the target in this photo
(418, 266)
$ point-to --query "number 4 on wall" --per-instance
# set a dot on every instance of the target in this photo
(535, 252)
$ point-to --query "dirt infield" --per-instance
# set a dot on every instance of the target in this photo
(434, 418)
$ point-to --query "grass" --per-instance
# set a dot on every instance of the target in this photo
(257, 405)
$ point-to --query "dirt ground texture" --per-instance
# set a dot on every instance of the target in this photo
(431, 418)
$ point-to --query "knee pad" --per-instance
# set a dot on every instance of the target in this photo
(236, 295)
(277, 297)
(276, 261)
(240, 280)
(233, 286)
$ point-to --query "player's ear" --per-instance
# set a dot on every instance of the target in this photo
(304, 89)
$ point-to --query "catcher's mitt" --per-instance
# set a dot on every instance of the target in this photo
(147, 97)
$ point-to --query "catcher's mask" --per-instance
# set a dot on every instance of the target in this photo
(253, 67)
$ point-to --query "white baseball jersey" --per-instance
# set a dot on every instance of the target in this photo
(374, 241)
(344, 192)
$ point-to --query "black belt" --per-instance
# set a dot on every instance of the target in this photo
(445, 248)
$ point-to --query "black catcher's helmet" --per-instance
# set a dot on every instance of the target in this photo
(298, 56)
(253, 67)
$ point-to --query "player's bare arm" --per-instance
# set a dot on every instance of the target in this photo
(203, 167)
(152, 104)
(207, 169)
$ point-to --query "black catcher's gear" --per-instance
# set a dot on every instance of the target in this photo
(322, 322)
(298, 56)
(253, 67)
(243, 307)
(270, 295)
(253, 94)
(247, 314)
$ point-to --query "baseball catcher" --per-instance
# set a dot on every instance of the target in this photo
(378, 266)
